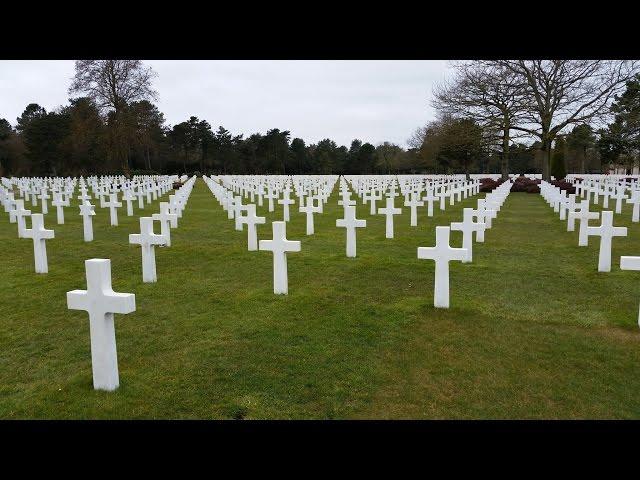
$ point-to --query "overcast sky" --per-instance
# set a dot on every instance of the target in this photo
(342, 100)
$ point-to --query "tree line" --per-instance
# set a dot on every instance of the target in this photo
(524, 116)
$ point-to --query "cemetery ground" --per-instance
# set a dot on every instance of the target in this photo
(534, 331)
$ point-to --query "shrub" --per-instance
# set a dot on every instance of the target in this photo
(488, 184)
(564, 186)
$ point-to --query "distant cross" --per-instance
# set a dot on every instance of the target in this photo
(237, 212)
(429, 198)
(87, 211)
(442, 253)
(606, 231)
(280, 246)
(43, 198)
(309, 209)
(167, 221)
(252, 220)
(619, 196)
(113, 204)
(140, 195)
(413, 204)
(389, 211)
(21, 214)
(147, 240)
(128, 198)
(467, 227)
(40, 235)
(59, 203)
(635, 201)
(285, 201)
(350, 222)
(101, 302)
(270, 195)
(584, 215)
(631, 263)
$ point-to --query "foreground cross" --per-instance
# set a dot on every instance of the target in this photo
(147, 240)
(606, 231)
(101, 302)
(442, 253)
(280, 246)
(350, 222)
(389, 211)
(40, 235)
(630, 263)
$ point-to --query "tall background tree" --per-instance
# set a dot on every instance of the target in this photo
(488, 94)
(113, 85)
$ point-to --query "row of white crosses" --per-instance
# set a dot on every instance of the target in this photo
(224, 189)
(442, 253)
(603, 187)
(62, 190)
(168, 218)
(101, 302)
(229, 192)
(606, 230)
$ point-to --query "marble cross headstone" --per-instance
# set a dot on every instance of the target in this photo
(467, 227)
(350, 222)
(389, 211)
(113, 204)
(606, 231)
(630, 263)
(413, 204)
(167, 221)
(87, 211)
(40, 235)
(442, 253)
(147, 240)
(21, 215)
(280, 246)
(101, 302)
(252, 220)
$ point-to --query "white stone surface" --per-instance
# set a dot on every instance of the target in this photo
(280, 246)
(442, 254)
(101, 302)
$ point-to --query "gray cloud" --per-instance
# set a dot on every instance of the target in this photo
(342, 100)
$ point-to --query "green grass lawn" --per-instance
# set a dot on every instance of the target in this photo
(534, 331)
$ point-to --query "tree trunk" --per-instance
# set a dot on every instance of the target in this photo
(545, 148)
(504, 167)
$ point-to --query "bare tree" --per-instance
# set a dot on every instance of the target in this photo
(488, 93)
(560, 93)
(113, 85)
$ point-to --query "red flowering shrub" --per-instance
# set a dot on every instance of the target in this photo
(524, 184)
(564, 186)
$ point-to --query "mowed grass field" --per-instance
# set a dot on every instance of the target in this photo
(534, 331)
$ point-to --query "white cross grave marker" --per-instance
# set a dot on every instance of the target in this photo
(389, 211)
(147, 240)
(442, 253)
(101, 302)
(350, 222)
(87, 211)
(468, 226)
(252, 220)
(280, 246)
(606, 231)
(40, 235)
(630, 263)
